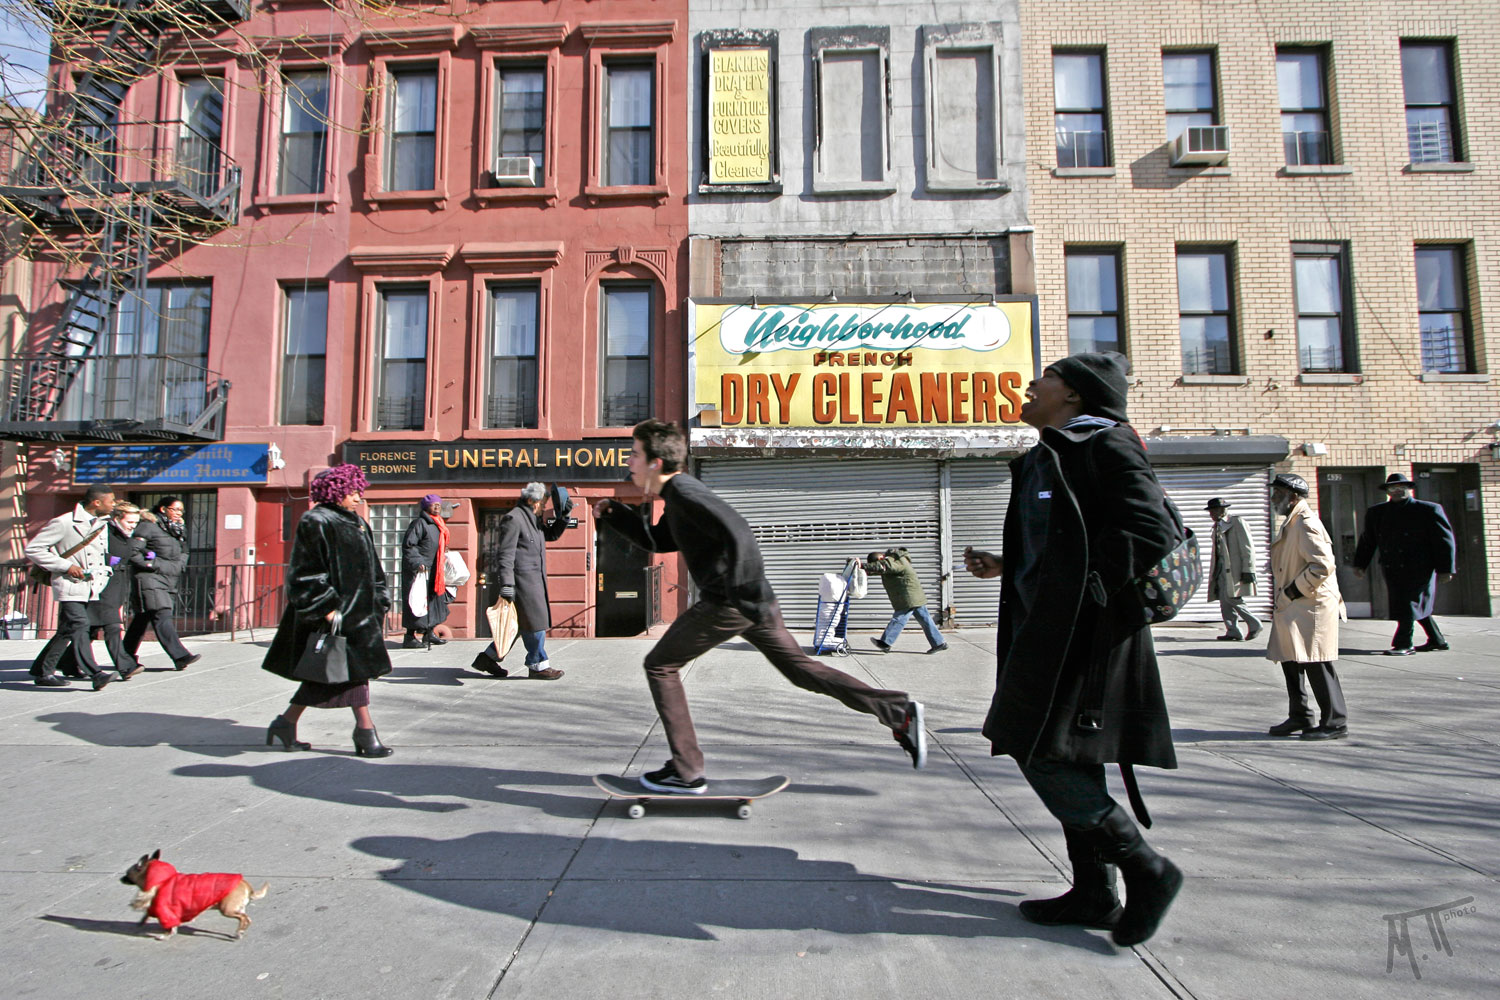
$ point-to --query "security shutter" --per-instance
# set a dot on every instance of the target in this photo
(810, 515)
(978, 495)
(1247, 488)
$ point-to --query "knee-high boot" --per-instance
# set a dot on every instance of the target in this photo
(1151, 881)
(1091, 902)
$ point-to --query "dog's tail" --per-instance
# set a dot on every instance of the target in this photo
(261, 892)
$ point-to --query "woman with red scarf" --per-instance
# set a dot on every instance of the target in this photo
(423, 551)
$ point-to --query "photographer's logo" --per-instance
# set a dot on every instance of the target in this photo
(1398, 936)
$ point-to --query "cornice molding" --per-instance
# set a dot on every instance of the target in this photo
(516, 255)
(518, 36)
(397, 41)
(628, 32)
(417, 258)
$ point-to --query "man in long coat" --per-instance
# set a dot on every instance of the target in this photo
(1417, 551)
(1305, 616)
(522, 571)
(423, 550)
(1231, 575)
(1077, 682)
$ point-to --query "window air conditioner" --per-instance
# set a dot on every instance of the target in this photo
(515, 171)
(1201, 144)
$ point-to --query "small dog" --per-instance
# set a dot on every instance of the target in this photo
(175, 899)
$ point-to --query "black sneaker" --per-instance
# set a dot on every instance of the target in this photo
(913, 735)
(52, 681)
(667, 780)
(882, 645)
(941, 647)
(486, 665)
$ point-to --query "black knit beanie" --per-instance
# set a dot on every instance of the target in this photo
(1099, 380)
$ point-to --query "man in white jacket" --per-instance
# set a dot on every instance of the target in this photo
(77, 578)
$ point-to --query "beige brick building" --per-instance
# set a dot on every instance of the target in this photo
(1275, 293)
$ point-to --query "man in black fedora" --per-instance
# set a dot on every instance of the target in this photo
(1417, 552)
(1231, 575)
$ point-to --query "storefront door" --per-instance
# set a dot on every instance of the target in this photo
(1344, 495)
(1456, 489)
(619, 585)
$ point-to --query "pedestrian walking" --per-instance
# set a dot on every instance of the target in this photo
(1077, 684)
(106, 612)
(908, 599)
(1231, 574)
(734, 599)
(1417, 552)
(72, 548)
(423, 551)
(521, 569)
(1305, 615)
(335, 576)
(157, 565)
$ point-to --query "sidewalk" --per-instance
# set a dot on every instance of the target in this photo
(480, 861)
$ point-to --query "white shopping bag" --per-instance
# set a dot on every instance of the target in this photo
(832, 586)
(417, 598)
(455, 570)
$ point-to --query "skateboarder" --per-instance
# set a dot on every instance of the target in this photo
(735, 599)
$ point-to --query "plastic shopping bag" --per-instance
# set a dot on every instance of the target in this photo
(417, 598)
(455, 570)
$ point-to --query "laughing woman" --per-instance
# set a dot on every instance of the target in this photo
(335, 571)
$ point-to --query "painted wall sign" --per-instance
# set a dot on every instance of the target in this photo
(507, 461)
(739, 116)
(171, 464)
(866, 364)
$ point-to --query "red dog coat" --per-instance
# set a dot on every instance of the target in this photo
(180, 898)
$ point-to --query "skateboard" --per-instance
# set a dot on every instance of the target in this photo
(744, 791)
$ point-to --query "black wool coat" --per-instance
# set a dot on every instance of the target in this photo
(106, 610)
(1416, 543)
(419, 550)
(156, 580)
(334, 567)
(522, 563)
(1107, 524)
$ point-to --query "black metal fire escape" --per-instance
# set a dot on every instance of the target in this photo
(90, 178)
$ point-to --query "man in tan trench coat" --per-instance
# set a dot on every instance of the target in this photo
(1305, 616)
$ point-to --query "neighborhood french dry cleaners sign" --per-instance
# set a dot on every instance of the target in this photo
(598, 460)
(171, 464)
(867, 364)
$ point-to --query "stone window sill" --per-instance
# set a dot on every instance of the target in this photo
(1456, 377)
(633, 192)
(853, 187)
(1315, 170)
(1215, 380)
(1083, 171)
(774, 187)
(1330, 378)
(968, 187)
(493, 195)
(1438, 168)
(1188, 170)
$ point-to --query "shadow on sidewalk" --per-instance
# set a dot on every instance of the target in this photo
(735, 885)
(129, 928)
(196, 734)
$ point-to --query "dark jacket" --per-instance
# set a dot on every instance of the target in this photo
(1416, 544)
(523, 563)
(899, 577)
(156, 579)
(720, 551)
(334, 566)
(1104, 523)
(121, 547)
(419, 551)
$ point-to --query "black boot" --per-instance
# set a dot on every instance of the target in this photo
(1090, 903)
(367, 744)
(412, 642)
(1151, 881)
(282, 729)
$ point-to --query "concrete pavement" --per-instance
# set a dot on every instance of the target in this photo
(480, 861)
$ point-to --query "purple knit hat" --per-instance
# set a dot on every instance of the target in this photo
(430, 499)
(333, 485)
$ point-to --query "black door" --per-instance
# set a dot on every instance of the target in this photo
(1343, 497)
(1456, 489)
(619, 585)
(488, 584)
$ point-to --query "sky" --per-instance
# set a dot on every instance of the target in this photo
(23, 55)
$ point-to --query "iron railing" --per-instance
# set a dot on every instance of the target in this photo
(109, 396)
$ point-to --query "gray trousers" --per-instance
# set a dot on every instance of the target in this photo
(1233, 608)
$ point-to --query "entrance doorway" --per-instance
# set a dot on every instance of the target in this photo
(1456, 489)
(196, 612)
(1343, 497)
(619, 585)
(487, 583)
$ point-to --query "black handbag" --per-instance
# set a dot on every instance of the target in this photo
(325, 658)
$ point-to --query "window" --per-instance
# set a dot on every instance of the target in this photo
(401, 382)
(1324, 334)
(200, 133)
(304, 364)
(1189, 81)
(521, 113)
(1301, 77)
(1431, 113)
(411, 150)
(851, 110)
(160, 347)
(629, 130)
(1443, 310)
(98, 108)
(303, 153)
(1078, 93)
(739, 111)
(625, 389)
(962, 64)
(1093, 301)
(513, 366)
(1205, 312)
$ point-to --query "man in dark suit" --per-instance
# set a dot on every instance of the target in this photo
(1417, 552)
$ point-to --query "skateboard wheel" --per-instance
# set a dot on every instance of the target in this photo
(744, 811)
(636, 810)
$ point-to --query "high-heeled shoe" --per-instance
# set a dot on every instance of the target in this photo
(281, 729)
(367, 744)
